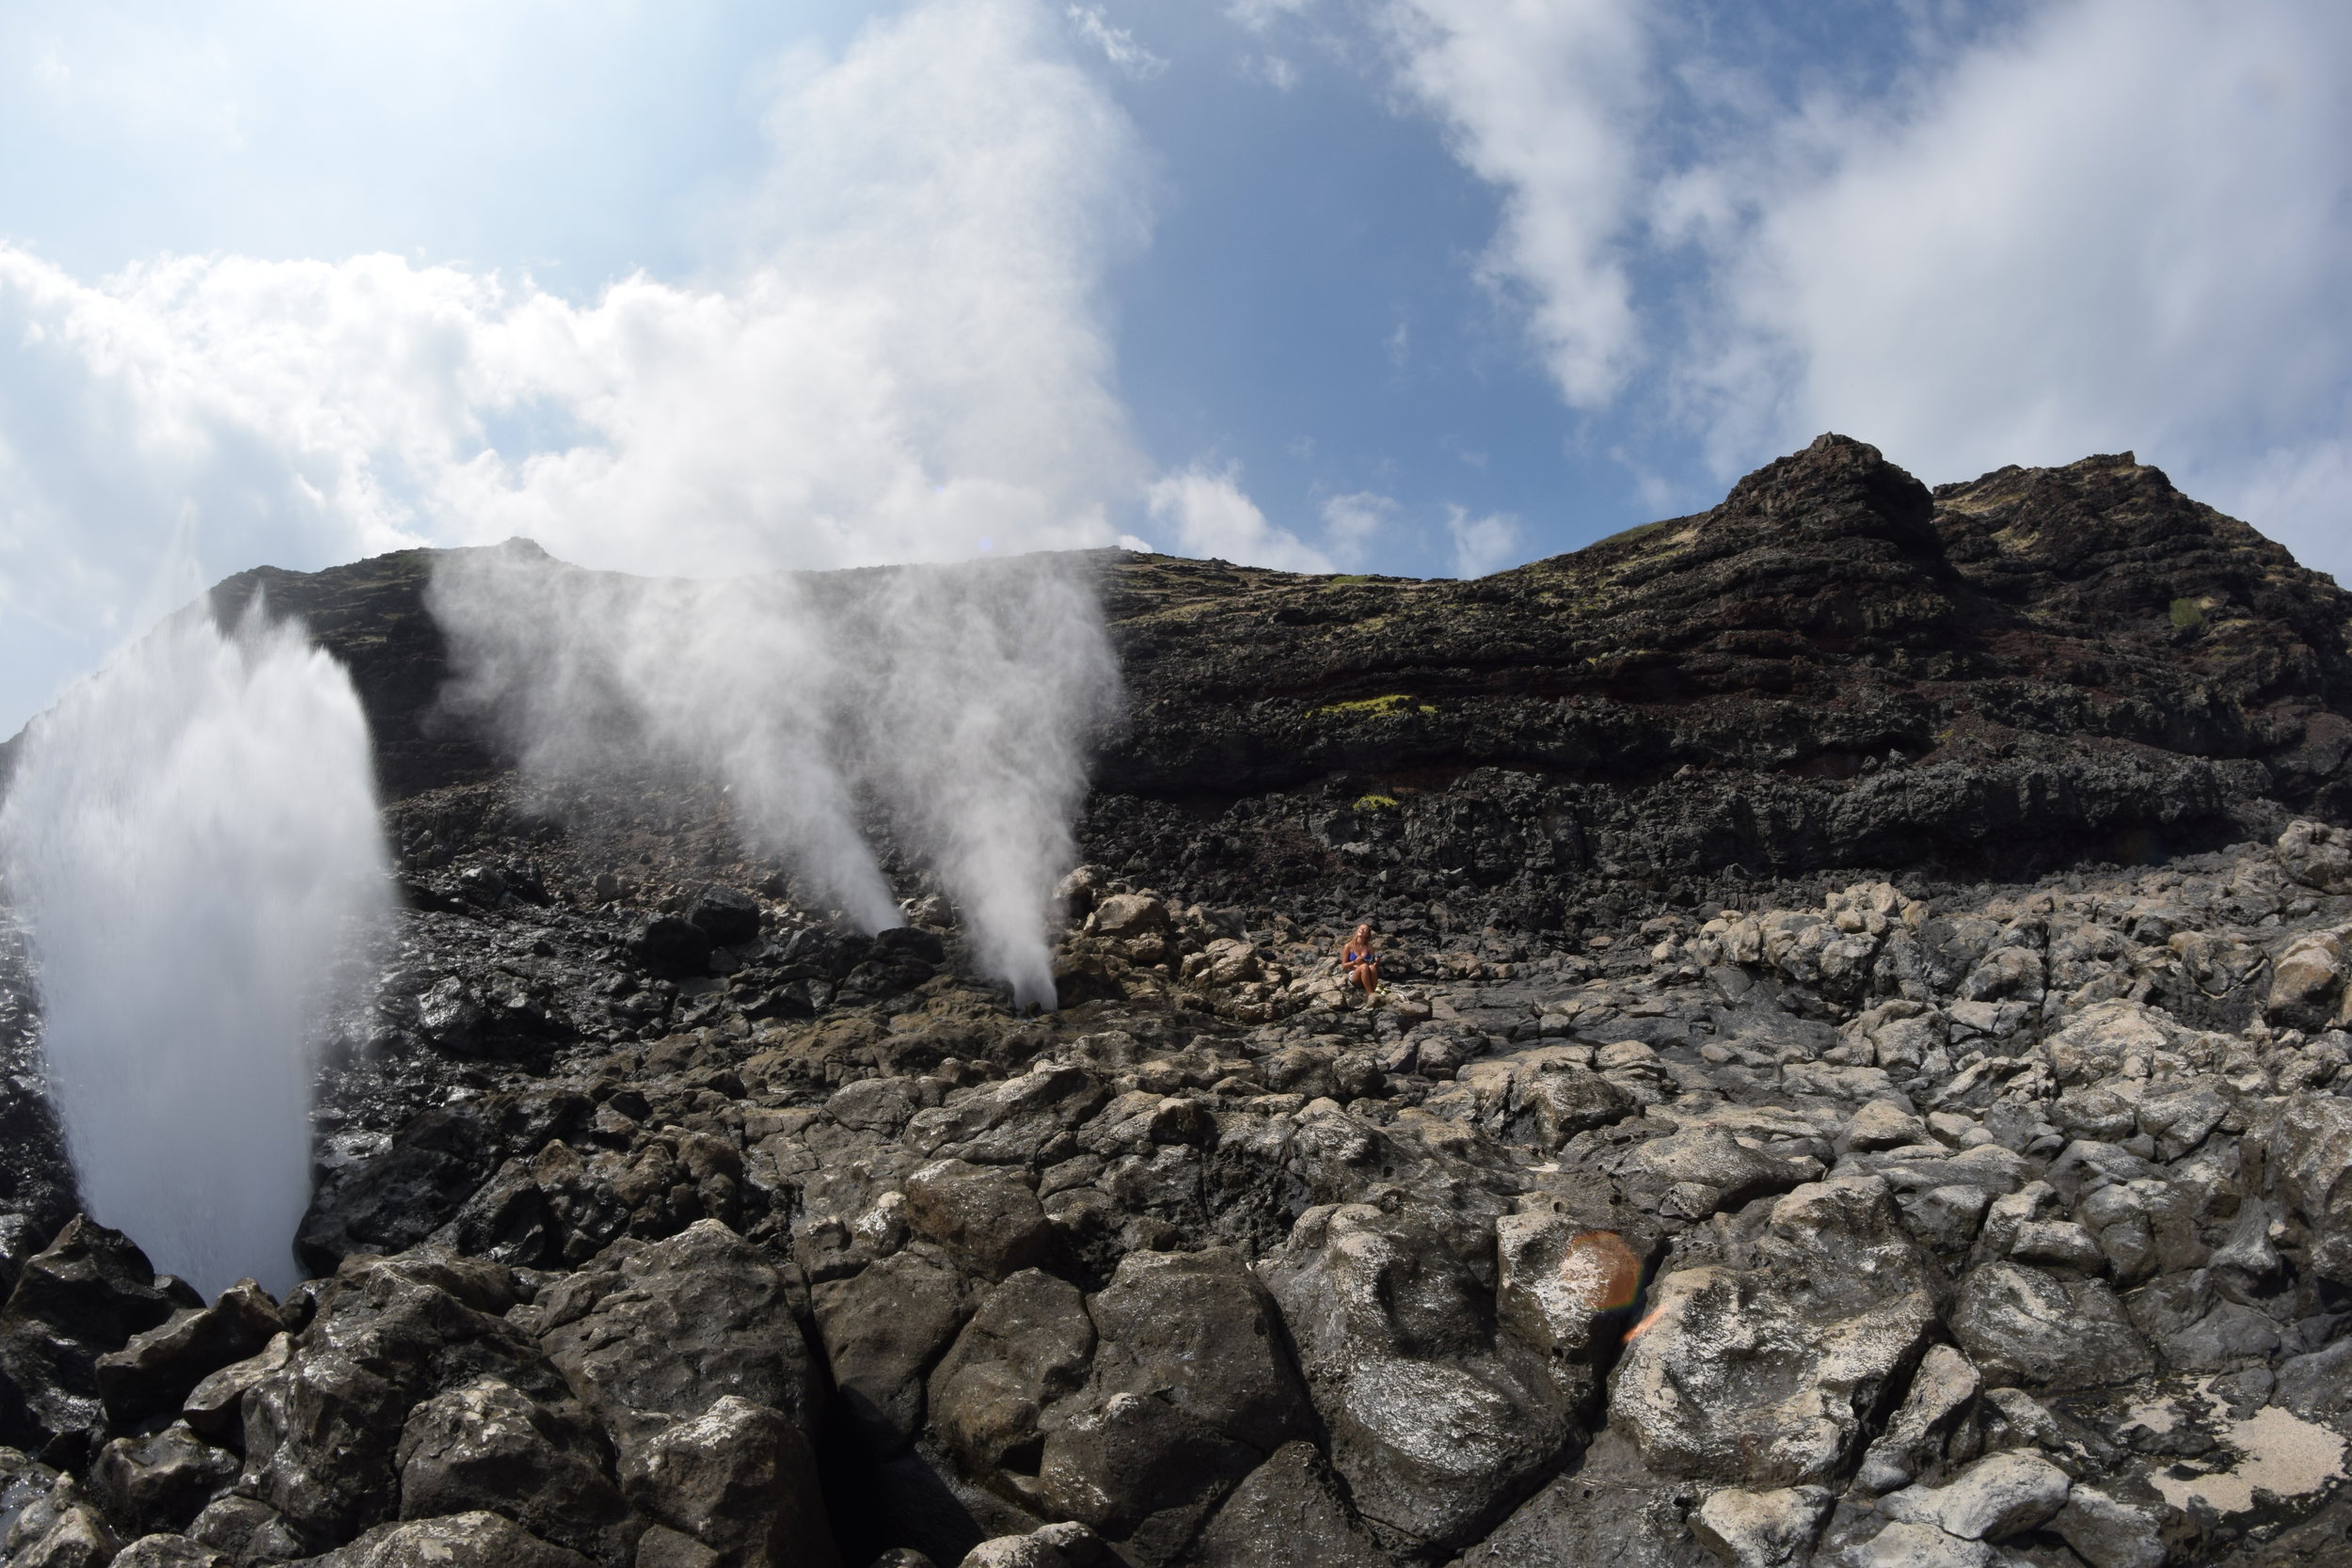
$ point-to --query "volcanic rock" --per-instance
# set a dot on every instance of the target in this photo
(1857, 1080)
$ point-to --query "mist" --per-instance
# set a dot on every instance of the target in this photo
(191, 839)
(958, 701)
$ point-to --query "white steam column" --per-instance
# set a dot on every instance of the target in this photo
(960, 700)
(192, 839)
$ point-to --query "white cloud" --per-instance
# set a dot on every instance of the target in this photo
(1274, 71)
(910, 357)
(2129, 225)
(1538, 99)
(1118, 44)
(1259, 15)
(2118, 224)
(1211, 516)
(2301, 496)
(1353, 525)
(1482, 545)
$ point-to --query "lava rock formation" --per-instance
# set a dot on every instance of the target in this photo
(1861, 1081)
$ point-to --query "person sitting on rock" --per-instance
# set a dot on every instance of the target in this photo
(1355, 958)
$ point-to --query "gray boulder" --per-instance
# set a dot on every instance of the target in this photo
(487, 1445)
(160, 1481)
(884, 1327)
(674, 1326)
(1028, 1346)
(459, 1541)
(320, 1430)
(1190, 1388)
(1766, 1377)
(2024, 1326)
(1439, 1422)
(740, 1479)
(156, 1369)
(1288, 1512)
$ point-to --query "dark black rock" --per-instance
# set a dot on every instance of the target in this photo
(156, 1369)
(728, 916)
(160, 1482)
(82, 1297)
(671, 944)
(487, 1445)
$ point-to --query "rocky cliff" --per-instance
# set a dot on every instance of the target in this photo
(1861, 1080)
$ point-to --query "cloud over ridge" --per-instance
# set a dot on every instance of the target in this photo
(906, 358)
(2103, 225)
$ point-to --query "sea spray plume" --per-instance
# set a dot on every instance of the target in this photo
(981, 688)
(192, 840)
(590, 674)
(961, 700)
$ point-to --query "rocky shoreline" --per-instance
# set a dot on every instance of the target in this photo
(1790, 1135)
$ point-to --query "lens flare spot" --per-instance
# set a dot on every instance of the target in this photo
(1601, 1271)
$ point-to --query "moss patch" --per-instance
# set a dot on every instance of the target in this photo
(1640, 531)
(1376, 707)
(2187, 613)
(1376, 803)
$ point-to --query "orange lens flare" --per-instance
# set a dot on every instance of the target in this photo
(1605, 1272)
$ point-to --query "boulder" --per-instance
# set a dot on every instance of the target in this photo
(214, 1408)
(985, 1213)
(1940, 1391)
(741, 1479)
(2313, 1154)
(1439, 1422)
(1708, 1159)
(1606, 1508)
(320, 1429)
(2318, 1385)
(1189, 1389)
(1028, 1346)
(1560, 1287)
(1063, 1546)
(170, 1551)
(673, 1325)
(2107, 1531)
(159, 1481)
(2307, 981)
(74, 1536)
(478, 1540)
(2024, 1326)
(1992, 1499)
(1773, 1529)
(1288, 1512)
(1198, 1330)
(672, 945)
(1554, 1105)
(884, 1327)
(1767, 1377)
(81, 1297)
(728, 916)
(246, 1530)
(1125, 916)
(2316, 855)
(487, 1445)
(154, 1373)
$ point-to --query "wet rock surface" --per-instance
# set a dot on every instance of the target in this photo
(1862, 1079)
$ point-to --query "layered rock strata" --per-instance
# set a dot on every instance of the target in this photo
(1683, 1200)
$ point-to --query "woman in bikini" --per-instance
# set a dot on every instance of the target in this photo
(1355, 958)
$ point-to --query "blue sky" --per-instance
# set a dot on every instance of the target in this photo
(1415, 286)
